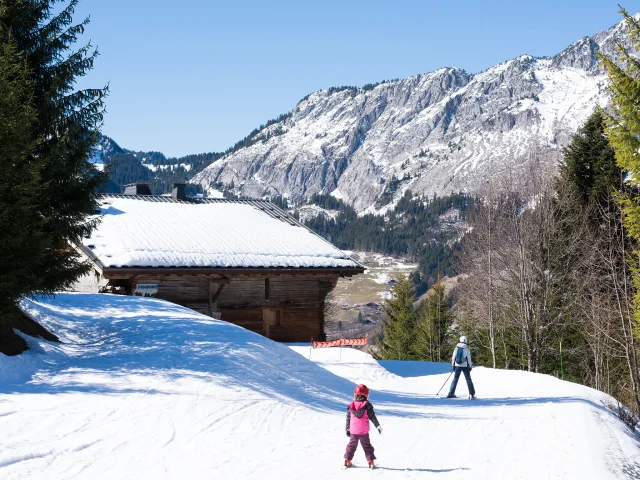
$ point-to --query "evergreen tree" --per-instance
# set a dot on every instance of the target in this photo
(586, 205)
(61, 136)
(589, 163)
(623, 130)
(433, 327)
(412, 229)
(19, 178)
(397, 340)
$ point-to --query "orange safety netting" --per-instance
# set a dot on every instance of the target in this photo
(339, 343)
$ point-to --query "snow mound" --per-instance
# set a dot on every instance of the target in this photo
(113, 344)
(141, 388)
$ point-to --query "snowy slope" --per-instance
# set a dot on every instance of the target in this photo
(438, 132)
(140, 388)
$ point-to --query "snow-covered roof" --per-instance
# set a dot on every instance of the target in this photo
(150, 231)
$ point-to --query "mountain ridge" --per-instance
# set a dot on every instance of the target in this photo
(434, 132)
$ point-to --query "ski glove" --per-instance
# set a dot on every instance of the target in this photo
(348, 433)
(380, 429)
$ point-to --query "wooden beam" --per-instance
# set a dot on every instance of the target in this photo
(151, 274)
(111, 272)
(270, 305)
(218, 292)
(211, 295)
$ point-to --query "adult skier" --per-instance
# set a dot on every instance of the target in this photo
(461, 363)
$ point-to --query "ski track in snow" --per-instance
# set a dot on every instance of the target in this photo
(140, 388)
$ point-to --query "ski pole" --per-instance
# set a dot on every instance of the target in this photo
(445, 382)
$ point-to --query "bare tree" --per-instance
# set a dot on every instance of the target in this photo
(477, 261)
(518, 259)
(607, 302)
(552, 271)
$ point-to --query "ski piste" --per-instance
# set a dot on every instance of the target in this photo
(137, 380)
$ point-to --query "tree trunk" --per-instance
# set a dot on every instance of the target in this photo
(492, 334)
(627, 316)
(10, 342)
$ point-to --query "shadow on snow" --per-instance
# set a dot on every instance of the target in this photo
(114, 344)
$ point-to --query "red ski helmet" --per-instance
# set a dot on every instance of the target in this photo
(361, 390)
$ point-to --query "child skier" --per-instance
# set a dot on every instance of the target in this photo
(359, 412)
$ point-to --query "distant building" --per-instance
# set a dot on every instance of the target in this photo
(246, 262)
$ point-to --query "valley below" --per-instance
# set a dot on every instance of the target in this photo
(355, 305)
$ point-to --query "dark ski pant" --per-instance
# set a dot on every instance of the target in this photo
(352, 446)
(467, 377)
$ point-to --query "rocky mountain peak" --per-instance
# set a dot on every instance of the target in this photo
(432, 133)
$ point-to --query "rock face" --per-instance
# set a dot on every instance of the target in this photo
(435, 133)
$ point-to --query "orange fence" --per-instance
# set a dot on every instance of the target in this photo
(342, 342)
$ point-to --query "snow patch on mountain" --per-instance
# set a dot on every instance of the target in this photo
(307, 212)
(171, 166)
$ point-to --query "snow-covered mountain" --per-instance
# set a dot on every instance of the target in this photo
(433, 133)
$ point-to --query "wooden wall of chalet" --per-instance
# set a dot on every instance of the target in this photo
(286, 309)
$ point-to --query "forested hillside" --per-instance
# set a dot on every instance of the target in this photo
(425, 230)
(126, 166)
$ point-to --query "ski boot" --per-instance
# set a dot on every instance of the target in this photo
(347, 463)
(371, 464)
(451, 395)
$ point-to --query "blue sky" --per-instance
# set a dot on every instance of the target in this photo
(198, 75)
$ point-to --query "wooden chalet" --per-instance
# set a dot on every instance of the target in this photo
(245, 262)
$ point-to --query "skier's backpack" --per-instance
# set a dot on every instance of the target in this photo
(459, 356)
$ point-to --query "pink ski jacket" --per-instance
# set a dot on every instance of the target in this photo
(358, 416)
